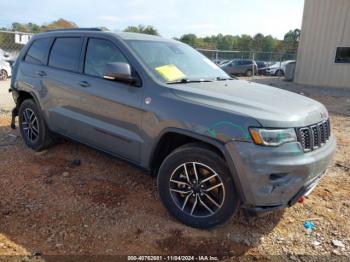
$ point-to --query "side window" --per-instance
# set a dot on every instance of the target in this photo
(65, 53)
(99, 53)
(342, 55)
(37, 53)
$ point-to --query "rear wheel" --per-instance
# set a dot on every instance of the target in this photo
(196, 187)
(32, 126)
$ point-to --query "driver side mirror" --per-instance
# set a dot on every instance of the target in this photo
(118, 72)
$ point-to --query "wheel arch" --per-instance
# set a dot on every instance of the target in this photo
(22, 95)
(172, 138)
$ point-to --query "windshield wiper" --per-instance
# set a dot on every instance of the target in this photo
(186, 81)
(219, 78)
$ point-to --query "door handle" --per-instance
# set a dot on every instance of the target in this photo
(84, 84)
(41, 73)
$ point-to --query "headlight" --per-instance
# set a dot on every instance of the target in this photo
(272, 137)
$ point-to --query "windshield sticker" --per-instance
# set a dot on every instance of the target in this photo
(170, 72)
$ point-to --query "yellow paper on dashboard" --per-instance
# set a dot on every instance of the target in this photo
(170, 72)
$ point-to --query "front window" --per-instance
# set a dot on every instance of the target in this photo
(171, 61)
(99, 53)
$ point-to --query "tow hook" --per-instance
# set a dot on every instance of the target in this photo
(13, 118)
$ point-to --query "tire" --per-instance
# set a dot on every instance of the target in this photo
(35, 135)
(182, 205)
(279, 73)
(249, 73)
(3, 74)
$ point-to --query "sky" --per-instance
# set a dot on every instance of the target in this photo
(172, 18)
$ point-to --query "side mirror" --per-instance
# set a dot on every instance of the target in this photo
(118, 72)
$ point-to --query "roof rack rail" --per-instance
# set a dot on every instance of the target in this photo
(75, 29)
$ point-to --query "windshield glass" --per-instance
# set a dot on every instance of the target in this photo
(172, 61)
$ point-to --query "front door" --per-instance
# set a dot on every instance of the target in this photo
(110, 111)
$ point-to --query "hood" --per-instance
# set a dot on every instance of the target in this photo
(271, 107)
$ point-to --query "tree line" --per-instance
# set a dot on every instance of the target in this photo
(258, 42)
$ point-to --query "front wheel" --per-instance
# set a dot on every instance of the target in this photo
(196, 187)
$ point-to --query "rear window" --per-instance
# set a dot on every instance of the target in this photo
(37, 53)
(65, 53)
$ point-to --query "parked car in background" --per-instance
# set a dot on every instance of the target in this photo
(5, 70)
(261, 67)
(240, 67)
(278, 69)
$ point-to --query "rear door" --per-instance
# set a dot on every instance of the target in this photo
(61, 84)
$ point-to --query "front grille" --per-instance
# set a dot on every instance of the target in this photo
(315, 136)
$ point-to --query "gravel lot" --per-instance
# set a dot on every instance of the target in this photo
(50, 205)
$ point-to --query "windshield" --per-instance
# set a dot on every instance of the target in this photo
(172, 61)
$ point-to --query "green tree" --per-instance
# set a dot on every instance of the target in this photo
(258, 41)
(190, 39)
(150, 30)
(245, 43)
(291, 40)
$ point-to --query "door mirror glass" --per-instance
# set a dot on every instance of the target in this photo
(118, 71)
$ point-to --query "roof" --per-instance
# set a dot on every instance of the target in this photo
(122, 35)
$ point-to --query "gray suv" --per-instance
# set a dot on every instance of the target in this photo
(240, 67)
(214, 143)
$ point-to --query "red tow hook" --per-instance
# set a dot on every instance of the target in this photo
(301, 200)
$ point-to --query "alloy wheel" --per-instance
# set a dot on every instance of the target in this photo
(197, 189)
(30, 125)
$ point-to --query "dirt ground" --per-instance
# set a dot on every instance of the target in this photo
(51, 205)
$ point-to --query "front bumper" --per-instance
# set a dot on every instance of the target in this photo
(271, 178)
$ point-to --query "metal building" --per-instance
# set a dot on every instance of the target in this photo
(324, 47)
